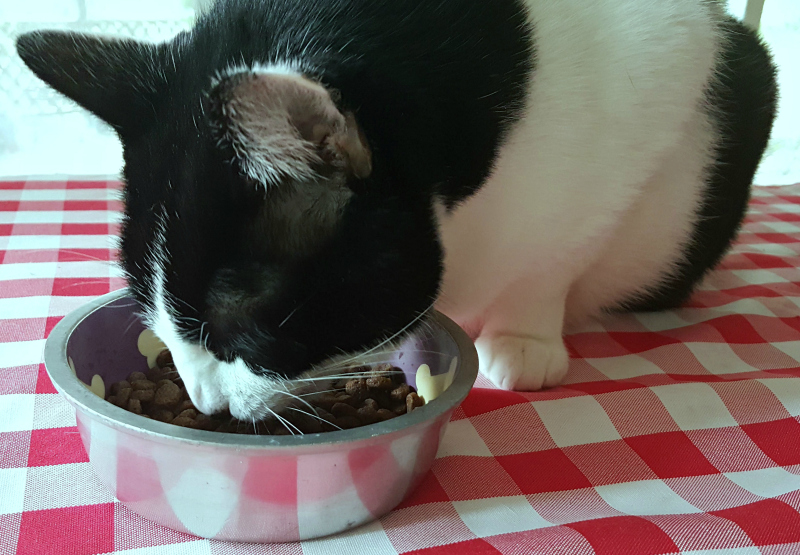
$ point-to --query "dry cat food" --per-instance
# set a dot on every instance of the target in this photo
(372, 395)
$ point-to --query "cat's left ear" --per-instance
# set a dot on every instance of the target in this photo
(116, 79)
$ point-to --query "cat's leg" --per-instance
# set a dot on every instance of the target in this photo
(521, 345)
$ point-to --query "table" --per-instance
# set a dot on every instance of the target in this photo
(674, 433)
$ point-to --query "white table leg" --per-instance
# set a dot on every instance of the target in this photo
(752, 14)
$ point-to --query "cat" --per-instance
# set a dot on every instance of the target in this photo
(304, 179)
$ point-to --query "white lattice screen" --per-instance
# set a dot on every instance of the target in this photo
(45, 134)
(23, 93)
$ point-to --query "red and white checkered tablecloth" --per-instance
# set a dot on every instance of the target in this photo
(674, 433)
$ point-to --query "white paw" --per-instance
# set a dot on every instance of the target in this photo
(522, 363)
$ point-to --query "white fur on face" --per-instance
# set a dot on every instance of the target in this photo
(213, 385)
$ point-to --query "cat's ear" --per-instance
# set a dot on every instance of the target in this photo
(116, 79)
(286, 127)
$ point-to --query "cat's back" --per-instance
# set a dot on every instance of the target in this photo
(618, 76)
(616, 91)
(444, 83)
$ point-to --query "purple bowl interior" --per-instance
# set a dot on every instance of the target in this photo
(105, 343)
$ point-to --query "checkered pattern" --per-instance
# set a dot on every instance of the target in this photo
(674, 433)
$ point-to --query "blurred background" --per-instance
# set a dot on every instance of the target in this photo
(45, 135)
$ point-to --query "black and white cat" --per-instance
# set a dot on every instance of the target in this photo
(307, 178)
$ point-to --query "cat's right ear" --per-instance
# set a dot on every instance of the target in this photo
(283, 126)
(116, 79)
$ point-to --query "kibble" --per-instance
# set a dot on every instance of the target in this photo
(140, 385)
(400, 392)
(116, 387)
(413, 401)
(380, 382)
(163, 415)
(379, 394)
(356, 388)
(145, 395)
(122, 396)
(343, 409)
(183, 421)
(384, 414)
(167, 394)
(164, 359)
(367, 414)
(188, 413)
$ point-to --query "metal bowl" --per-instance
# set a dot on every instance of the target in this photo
(246, 487)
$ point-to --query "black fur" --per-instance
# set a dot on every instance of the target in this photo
(434, 85)
(742, 101)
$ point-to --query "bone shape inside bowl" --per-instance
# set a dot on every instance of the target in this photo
(250, 488)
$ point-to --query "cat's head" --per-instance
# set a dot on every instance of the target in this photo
(263, 232)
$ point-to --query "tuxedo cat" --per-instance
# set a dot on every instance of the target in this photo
(308, 178)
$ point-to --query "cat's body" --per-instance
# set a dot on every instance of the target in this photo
(307, 178)
(598, 193)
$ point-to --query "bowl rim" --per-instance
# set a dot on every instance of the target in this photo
(68, 385)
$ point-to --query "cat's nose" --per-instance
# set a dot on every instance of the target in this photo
(199, 371)
(207, 398)
(204, 391)
(242, 411)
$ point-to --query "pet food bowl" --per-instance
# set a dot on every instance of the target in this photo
(247, 487)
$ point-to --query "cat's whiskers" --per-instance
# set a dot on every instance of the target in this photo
(371, 372)
(318, 417)
(299, 399)
(185, 303)
(351, 375)
(88, 257)
(86, 282)
(289, 316)
(204, 341)
(133, 319)
(317, 392)
(283, 421)
(128, 305)
(393, 336)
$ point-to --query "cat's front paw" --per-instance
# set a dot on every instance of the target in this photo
(522, 363)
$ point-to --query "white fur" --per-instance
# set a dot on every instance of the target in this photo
(277, 120)
(289, 68)
(299, 218)
(263, 138)
(598, 187)
(213, 386)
